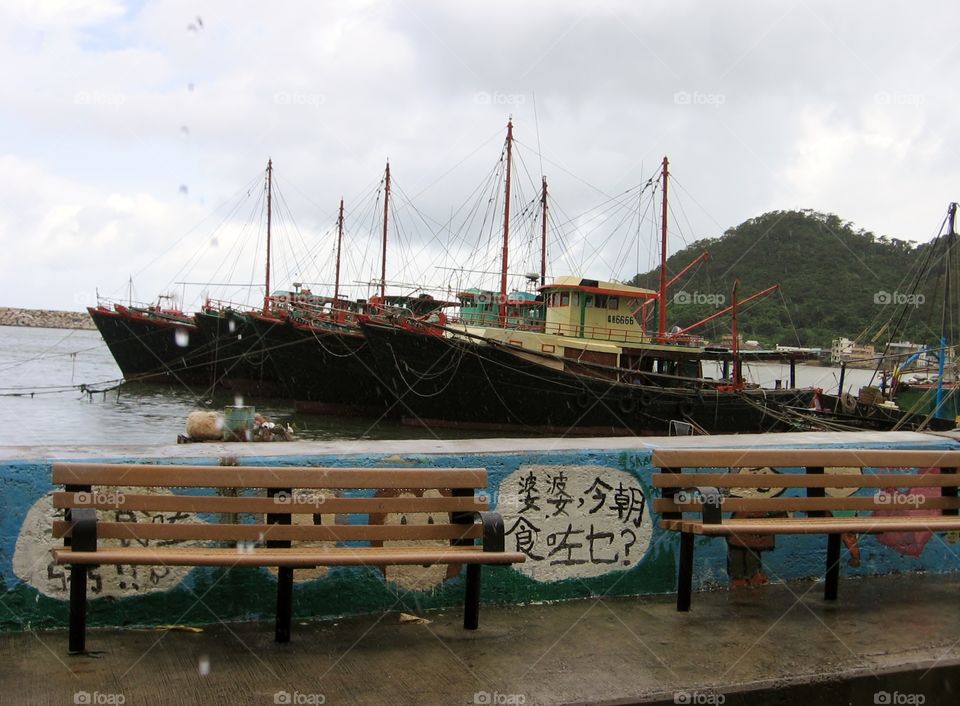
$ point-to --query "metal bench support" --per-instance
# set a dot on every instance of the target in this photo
(832, 578)
(471, 600)
(284, 603)
(685, 572)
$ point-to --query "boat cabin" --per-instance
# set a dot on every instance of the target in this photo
(589, 308)
(480, 307)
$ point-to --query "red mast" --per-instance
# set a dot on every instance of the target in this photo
(506, 228)
(383, 257)
(336, 281)
(266, 292)
(543, 235)
(662, 313)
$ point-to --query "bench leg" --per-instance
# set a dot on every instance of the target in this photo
(284, 603)
(685, 572)
(78, 608)
(471, 601)
(833, 567)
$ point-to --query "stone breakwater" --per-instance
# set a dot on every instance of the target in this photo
(45, 318)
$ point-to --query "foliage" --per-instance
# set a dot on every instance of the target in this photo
(833, 280)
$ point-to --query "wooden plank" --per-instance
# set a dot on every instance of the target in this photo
(214, 503)
(822, 525)
(295, 557)
(179, 531)
(144, 475)
(798, 504)
(804, 480)
(798, 458)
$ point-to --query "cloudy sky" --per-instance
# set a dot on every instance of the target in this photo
(132, 133)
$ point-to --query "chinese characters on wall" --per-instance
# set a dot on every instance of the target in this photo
(574, 520)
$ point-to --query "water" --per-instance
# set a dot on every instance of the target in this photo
(52, 363)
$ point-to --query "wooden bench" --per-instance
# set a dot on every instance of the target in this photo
(267, 498)
(700, 503)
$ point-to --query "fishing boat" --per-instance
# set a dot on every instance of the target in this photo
(591, 366)
(315, 347)
(217, 347)
(152, 343)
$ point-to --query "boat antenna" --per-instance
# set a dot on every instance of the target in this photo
(336, 281)
(543, 235)
(266, 291)
(383, 256)
(662, 313)
(506, 226)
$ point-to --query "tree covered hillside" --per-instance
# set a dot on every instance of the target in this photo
(834, 281)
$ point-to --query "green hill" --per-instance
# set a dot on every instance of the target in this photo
(833, 281)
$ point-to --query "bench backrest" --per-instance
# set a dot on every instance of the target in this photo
(261, 504)
(809, 476)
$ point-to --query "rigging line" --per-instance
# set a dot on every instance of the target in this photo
(679, 184)
(307, 251)
(451, 169)
(246, 187)
(786, 309)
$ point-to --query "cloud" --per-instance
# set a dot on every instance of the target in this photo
(805, 105)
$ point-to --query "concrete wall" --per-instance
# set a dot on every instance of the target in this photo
(580, 509)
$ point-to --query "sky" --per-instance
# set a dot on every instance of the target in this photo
(135, 136)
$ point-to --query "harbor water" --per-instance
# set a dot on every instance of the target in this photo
(62, 386)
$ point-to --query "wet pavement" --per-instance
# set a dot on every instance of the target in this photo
(893, 640)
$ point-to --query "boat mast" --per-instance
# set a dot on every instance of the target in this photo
(662, 313)
(946, 321)
(737, 371)
(336, 280)
(383, 256)
(506, 228)
(543, 235)
(266, 291)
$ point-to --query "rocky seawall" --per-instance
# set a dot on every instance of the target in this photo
(45, 318)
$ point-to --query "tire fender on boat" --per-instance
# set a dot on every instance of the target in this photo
(627, 405)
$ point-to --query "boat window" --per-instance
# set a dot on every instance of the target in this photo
(613, 303)
(575, 299)
(601, 300)
(564, 299)
(589, 301)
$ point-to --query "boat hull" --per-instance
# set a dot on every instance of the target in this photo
(444, 381)
(324, 370)
(148, 350)
(236, 354)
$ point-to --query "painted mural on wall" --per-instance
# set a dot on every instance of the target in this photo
(33, 562)
(303, 498)
(574, 521)
(415, 578)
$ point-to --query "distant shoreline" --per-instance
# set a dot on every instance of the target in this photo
(45, 318)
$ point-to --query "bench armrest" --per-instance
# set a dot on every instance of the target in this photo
(83, 529)
(712, 502)
(493, 528)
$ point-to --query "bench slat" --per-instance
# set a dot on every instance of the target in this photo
(337, 556)
(806, 504)
(791, 458)
(819, 525)
(253, 533)
(216, 503)
(805, 480)
(142, 475)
